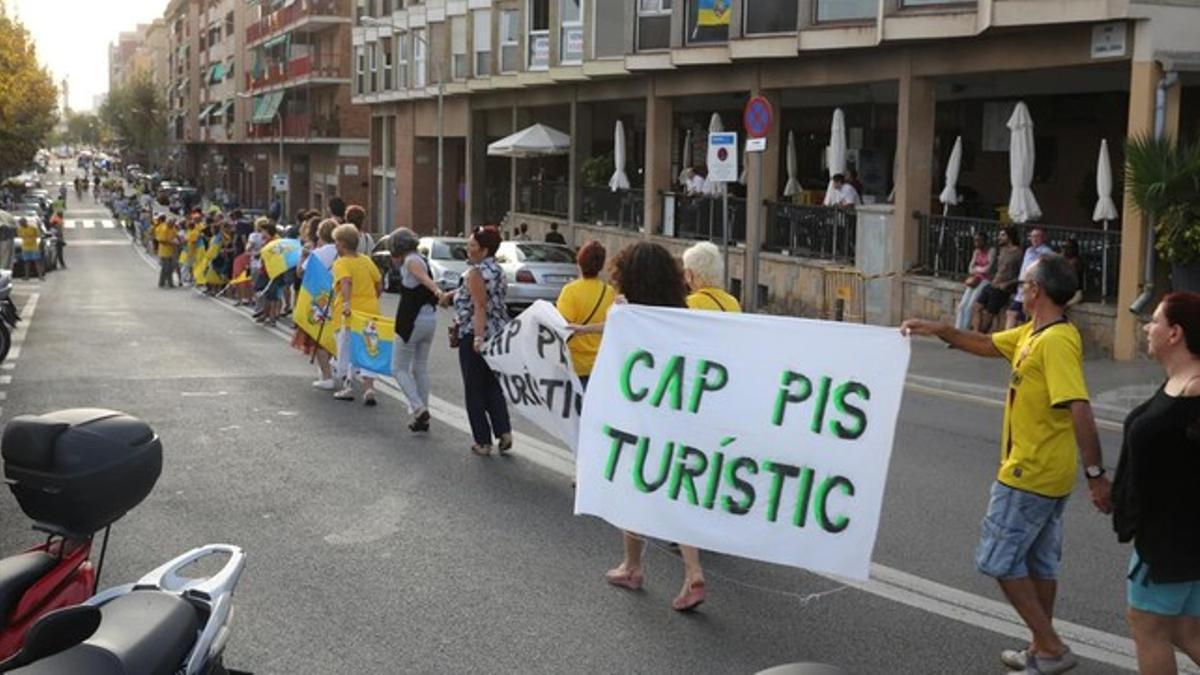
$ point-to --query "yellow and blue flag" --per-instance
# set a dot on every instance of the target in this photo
(313, 304)
(713, 13)
(280, 256)
(371, 339)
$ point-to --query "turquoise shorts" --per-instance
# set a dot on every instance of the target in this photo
(1179, 599)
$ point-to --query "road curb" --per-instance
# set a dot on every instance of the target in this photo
(1104, 412)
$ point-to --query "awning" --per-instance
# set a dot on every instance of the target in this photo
(266, 106)
(538, 140)
(208, 110)
(276, 41)
(228, 109)
(217, 73)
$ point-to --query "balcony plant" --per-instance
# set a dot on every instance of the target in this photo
(1163, 179)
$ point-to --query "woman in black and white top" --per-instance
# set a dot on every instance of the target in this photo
(416, 322)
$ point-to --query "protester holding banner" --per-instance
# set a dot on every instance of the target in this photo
(479, 314)
(1154, 502)
(416, 322)
(356, 288)
(585, 302)
(311, 312)
(1047, 417)
(704, 271)
(647, 274)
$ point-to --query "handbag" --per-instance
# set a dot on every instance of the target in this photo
(454, 339)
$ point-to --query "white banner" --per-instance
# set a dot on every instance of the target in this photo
(531, 360)
(758, 436)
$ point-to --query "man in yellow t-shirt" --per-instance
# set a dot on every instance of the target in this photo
(704, 272)
(168, 247)
(585, 302)
(31, 254)
(1047, 418)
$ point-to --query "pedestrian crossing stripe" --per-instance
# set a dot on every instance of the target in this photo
(104, 224)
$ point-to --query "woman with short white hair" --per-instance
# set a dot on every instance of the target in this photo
(704, 271)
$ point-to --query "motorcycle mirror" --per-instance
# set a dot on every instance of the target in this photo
(55, 632)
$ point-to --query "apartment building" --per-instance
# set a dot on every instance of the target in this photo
(259, 99)
(907, 77)
(121, 55)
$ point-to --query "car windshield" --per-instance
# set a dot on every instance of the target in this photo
(449, 250)
(545, 253)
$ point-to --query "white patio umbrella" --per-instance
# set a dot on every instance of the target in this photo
(949, 196)
(685, 171)
(793, 185)
(713, 188)
(619, 180)
(836, 157)
(1105, 209)
(538, 140)
(1022, 205)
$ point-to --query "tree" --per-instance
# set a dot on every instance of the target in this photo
(82, 129)
(28, 97)
(135, 117)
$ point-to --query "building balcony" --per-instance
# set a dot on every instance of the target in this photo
(298, 128)
(302, 15)
(307, 69)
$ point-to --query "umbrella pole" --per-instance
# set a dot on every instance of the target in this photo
(1104, 264)
(937, 258)
(725, 235)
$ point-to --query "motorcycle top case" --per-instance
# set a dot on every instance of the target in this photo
(78, 471)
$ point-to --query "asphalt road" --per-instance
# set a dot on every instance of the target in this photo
(374, 551)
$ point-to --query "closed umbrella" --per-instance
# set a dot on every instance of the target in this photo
(793, 185)
(619, 180)
(685, 172)
(836, 153)
(1105, 209)
(1022, 205)
(949, 196)
(713, 188)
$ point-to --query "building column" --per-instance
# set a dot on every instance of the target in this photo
(573, 160)
(1144, 77)
(512, 170)
(762, 183)
(657, 162)
(404, 130)
(916, 112)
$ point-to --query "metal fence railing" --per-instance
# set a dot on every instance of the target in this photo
(820, 232)
(547, 198)
(947, 244)
(699, 217)
(624, 209)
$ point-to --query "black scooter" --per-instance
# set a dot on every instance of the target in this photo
(9, 316)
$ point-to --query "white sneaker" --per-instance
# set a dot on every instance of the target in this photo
(326, 385)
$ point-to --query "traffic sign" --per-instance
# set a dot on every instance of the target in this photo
(279, 181)
(723, 157)
(758, 117)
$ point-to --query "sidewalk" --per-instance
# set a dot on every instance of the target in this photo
(1116, 387)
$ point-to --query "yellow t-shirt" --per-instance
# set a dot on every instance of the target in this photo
(713, 299)
(29, 238)
(575, 303)
(363, 275)
(1037, 447)
(166, 236)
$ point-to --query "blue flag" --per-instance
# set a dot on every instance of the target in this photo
(371, 338)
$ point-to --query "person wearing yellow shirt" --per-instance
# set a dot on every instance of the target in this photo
(168, 247)
(356, 287)
(704, 272)
(1047, 418)
(585, 302)
(29, 234)
(191, 240)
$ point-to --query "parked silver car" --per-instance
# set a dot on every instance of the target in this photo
(535, 270)
(447, 258)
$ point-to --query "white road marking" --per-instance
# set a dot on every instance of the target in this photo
(6, 379)
(885, 582)
(1107, 425)
(89, 224)
(3, 395)
(106, 224)
(7, 365)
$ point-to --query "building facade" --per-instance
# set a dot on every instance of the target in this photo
(909, 77)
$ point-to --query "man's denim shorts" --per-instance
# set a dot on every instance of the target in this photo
(1178, 599)
(1022, 535)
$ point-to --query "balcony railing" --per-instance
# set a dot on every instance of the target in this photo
(699, 217)
(314, 65)
(292, 14)
(624, 209)
(819, 232)
(548, 198)
(301, 125)
(947, 244)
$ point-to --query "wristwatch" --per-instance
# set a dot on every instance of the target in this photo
(1093, 472)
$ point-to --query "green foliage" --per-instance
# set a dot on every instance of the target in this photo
(28, 97)
(1163, 179)
(596, 170)
(82, 129)
(135, 118)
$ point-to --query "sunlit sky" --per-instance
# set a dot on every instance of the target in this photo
(73, 36)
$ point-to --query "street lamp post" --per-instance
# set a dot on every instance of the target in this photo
(441, 121)
(282, 168)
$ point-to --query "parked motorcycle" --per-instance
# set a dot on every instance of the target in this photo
(9, 316)
(75, 473)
